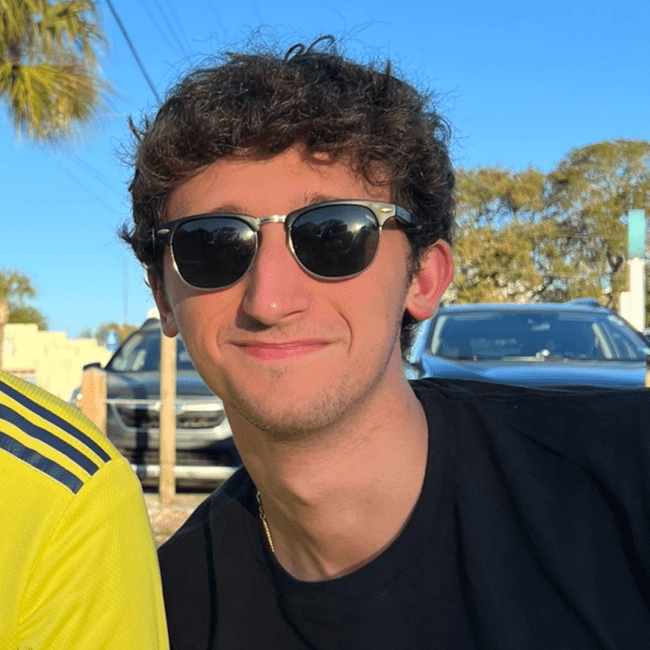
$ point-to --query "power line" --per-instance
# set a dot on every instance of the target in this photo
(170, 27)
(87, 189)
(133, 50)
(93, 171)
(154, 22)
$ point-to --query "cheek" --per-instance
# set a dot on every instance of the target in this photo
(176, 289)
(189, 308)
(385, 284)
(194, 314)
(373, 305)
(200, 330)
(204, 318)
(185, 302)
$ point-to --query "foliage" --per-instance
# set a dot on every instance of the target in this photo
(493, 196)
(589, 194)
(526, 236)
(15, 290)
(28, 315)
(509, 264)
(15, 287)
(501, 238)
(123, 331)
(48, 66)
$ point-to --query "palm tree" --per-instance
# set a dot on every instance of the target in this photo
(48, 66)
(15, 287)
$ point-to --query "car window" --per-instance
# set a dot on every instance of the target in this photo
(141, 353)
(527, 334)
(627, 344)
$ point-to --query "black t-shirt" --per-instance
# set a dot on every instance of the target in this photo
(532, 531)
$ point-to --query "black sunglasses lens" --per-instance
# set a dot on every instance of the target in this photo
(213, 252)
(334, 241)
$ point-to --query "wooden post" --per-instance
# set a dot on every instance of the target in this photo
(93, 397)
(167, 484)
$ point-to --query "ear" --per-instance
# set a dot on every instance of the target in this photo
(167, 318)
(431, 281)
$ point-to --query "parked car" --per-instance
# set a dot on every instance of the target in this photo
(203, 435)
(543, 344)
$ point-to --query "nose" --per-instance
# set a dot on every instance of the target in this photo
(276, 285)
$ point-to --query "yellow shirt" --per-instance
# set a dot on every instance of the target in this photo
(78, 569)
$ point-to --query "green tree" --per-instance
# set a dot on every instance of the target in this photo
(588, 196)
(526, 236)
(15, 289)
(513, 263)
(48, 66)
(122, 331)
(494, 196)
(504, 247)
(27, 314)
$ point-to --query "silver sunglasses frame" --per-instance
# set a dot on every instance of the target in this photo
(382, 212)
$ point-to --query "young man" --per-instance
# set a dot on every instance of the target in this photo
(77, 562)
(294, 216)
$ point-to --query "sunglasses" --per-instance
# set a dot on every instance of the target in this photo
(334, 240)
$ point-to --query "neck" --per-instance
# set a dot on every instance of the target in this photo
(334, 506)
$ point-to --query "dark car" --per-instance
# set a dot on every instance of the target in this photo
(543, 344)
(203, 436)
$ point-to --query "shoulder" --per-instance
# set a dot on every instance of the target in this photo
(588, 403)
(603, 431)
(75, 528)
(57, 470)
(45, 440)
(488, 391)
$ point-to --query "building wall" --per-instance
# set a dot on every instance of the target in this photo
(49, 359)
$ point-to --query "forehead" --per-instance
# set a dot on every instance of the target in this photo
(276, 185)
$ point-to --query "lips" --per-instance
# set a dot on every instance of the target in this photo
(281, 351)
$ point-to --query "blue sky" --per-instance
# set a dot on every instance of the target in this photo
(521, 83)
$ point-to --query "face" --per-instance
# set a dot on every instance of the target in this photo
(286, 352)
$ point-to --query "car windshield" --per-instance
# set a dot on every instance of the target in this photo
(503, 334)
(141, 353)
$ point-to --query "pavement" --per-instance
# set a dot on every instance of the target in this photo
(166, 519)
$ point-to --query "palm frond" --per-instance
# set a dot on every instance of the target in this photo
(49, 66)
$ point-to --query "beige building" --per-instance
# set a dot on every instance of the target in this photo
(49, 359)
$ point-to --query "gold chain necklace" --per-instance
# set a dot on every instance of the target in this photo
(264, 522)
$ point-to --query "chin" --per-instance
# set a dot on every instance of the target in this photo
(304, 418)
(308, 416)
(291, 424)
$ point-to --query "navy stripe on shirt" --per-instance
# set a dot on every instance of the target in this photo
(54, 419)
(48, 438)
(49, 467)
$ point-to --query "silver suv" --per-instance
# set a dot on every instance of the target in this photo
(203, 436)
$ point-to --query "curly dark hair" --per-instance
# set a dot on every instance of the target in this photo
(262, 104)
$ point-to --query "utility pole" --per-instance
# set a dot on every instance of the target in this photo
(167, 429)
